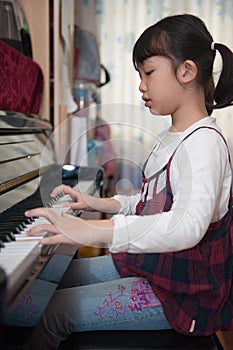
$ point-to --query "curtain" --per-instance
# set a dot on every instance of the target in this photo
(117, 25)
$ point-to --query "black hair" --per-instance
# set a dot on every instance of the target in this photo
(186, 37)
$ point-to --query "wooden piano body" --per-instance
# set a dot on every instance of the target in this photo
(29, 172)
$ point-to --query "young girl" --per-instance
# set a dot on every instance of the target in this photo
(171, 248)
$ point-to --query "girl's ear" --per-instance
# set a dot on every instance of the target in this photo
(187, 72)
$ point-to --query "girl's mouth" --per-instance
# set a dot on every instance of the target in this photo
(147, 102)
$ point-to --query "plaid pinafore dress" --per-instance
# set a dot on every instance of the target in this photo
(195, 285)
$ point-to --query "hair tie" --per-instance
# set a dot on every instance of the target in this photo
(212, 46)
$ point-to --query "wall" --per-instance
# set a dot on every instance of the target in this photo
(37, 15)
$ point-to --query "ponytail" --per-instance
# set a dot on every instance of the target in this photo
(223, 95)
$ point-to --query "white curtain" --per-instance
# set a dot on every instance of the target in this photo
(117, 24)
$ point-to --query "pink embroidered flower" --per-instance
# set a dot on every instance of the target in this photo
(111, 304)
(121, 288)
(98, 313)
(117, 305)
(134, 291)
(135, 303)
(105, 303)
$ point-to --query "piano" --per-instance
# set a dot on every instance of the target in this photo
(29, 272)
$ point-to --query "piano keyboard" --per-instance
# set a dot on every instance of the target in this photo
(17, 257)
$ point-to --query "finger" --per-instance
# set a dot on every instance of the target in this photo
(43, 228)
(57, 190)
(51, 240)
(66, 190)
(42, 212)
(75, 205)
(69, 216)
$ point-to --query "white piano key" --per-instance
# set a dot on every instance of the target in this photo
(14, 256)
(18, 257)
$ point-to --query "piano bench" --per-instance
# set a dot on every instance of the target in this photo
(158, 339)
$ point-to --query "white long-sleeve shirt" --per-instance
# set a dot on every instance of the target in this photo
(200, 178)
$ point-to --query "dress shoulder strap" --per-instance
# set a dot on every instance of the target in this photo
(200, 127)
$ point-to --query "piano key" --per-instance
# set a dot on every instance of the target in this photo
(14, 259)
(14, 256)
(26, 183)
(10, 234)
(18, 257)
(5, 238)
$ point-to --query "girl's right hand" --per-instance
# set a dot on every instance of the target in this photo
(80, 200)
(83, 201)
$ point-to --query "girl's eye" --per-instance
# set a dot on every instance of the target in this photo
(149, 72)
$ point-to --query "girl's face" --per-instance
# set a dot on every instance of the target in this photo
(159, 86)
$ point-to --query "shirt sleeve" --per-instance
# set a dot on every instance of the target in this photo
(200, 177)
(128, 203)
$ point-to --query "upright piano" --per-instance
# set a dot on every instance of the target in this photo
(30, 273)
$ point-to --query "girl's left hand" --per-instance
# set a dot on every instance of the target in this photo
(57, 225)
(69, 229)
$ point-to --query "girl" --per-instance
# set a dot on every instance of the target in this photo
(171, 244)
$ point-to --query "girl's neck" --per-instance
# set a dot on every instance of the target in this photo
(183, 124)
(187, 115)
(191, 108)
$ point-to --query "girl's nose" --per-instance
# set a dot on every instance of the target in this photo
(142, 86)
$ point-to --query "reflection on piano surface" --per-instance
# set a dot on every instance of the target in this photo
(29, 172)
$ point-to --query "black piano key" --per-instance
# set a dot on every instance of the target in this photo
(13, 220)
(28, 220)
(5, 238)
(17, 231)
(11, 235)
